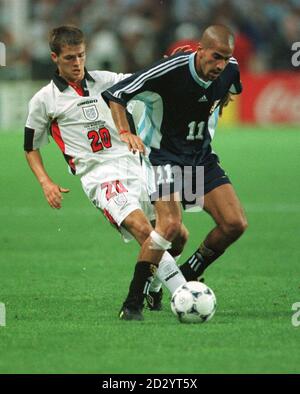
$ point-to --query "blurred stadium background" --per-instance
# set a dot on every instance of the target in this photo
(62, 283)
(125, 35)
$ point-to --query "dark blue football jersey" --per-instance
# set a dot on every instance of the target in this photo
(181, 110)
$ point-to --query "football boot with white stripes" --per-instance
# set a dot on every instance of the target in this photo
(154, 300)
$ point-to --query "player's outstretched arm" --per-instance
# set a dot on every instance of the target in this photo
(52, 191)
(134, 142)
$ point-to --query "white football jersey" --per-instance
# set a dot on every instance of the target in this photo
(80, 122)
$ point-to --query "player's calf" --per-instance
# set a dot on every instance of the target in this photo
(196, 264)
(222, 237)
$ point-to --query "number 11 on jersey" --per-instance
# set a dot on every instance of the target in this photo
(194, 128)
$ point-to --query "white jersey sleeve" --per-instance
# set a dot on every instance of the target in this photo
(107, 78)
(37, 123)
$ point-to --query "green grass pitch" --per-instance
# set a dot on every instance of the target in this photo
(64, 274)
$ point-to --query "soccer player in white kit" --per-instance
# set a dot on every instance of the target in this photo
(113, 177)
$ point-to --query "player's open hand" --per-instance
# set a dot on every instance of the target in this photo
(134, 142)
(53, 194)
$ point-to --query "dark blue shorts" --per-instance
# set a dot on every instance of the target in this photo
(191, 181)
(214, 175)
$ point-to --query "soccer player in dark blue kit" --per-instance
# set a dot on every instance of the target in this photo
(183, 95)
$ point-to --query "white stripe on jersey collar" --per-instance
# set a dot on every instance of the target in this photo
(193, 71)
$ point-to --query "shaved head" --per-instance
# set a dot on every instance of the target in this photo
(214, 51)
(217, 34)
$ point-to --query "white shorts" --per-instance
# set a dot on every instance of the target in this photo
(119, 187)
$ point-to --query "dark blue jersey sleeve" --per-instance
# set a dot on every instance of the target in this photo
(154, 78)
(236, 87)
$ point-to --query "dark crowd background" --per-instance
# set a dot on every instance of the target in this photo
(126, 35)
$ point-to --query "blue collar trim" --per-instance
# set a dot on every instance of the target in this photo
(204, 84)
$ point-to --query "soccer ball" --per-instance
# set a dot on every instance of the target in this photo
(193, 302)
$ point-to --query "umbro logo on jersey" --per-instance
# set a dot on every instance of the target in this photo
(87, 102)
(202, 99)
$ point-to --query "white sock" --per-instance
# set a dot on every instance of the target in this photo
(156, 283)
(167, 274)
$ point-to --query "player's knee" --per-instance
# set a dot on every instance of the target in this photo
(139, 229)
(243, 225)
(235, 227)
(172, 228)
(180, 241)
(144, 231)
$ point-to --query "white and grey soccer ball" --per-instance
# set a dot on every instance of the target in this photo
(193, 302)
